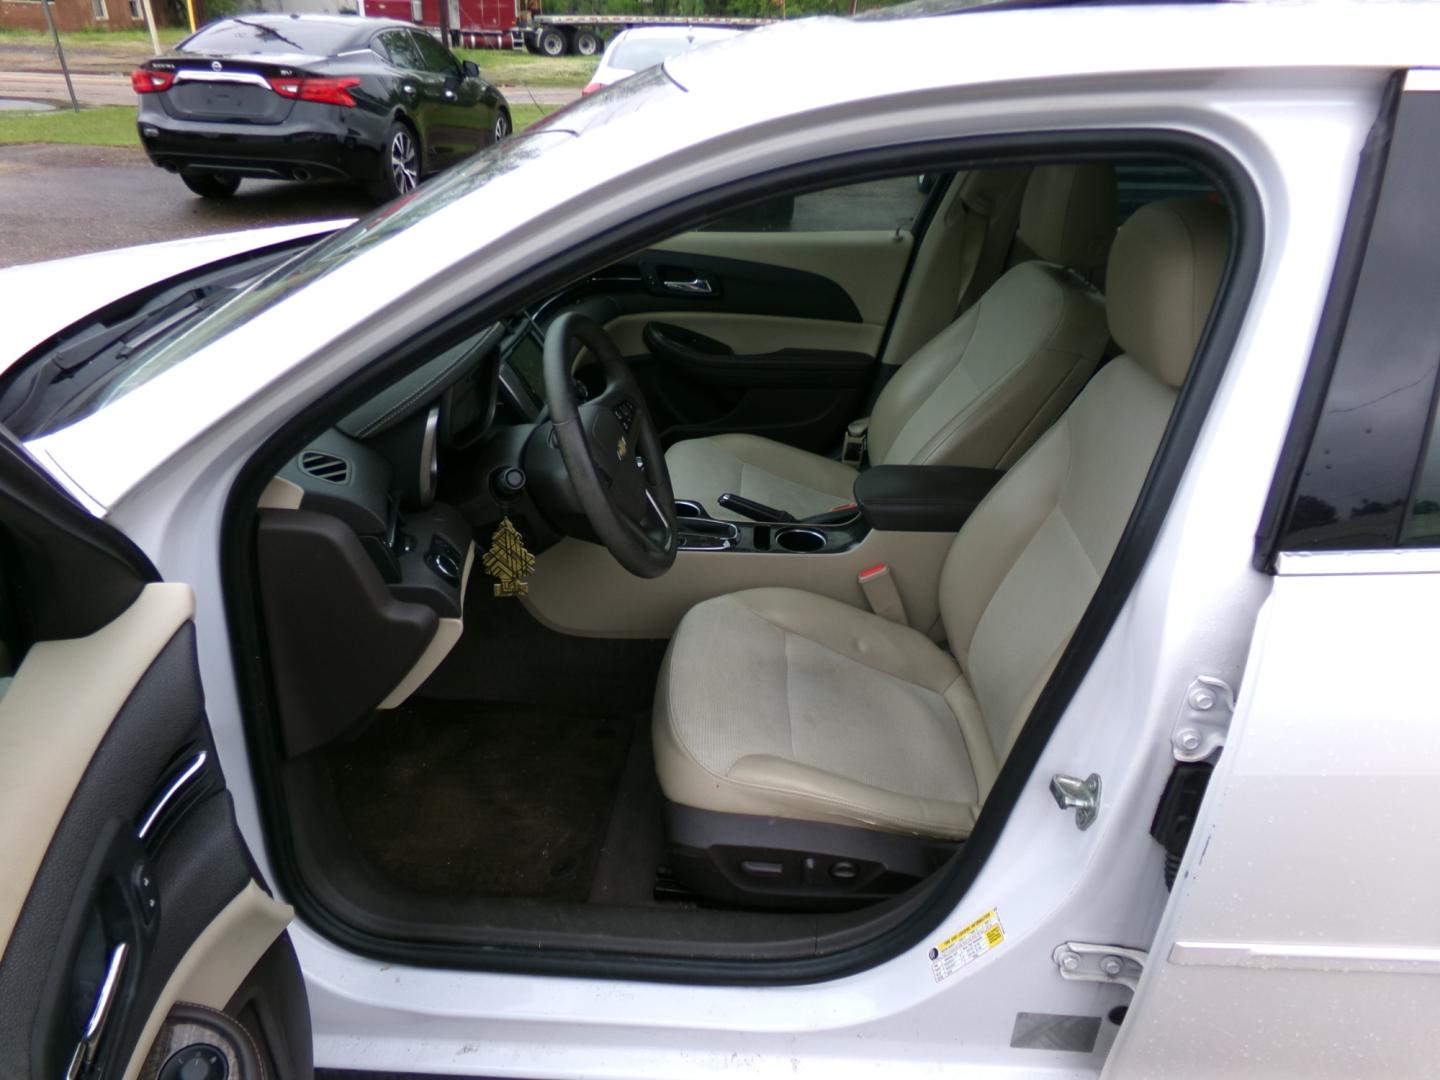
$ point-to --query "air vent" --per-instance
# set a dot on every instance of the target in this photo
(325, 466)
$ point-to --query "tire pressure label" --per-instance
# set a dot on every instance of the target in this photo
(966, 945)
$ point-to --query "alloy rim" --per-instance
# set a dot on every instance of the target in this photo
(502, 127)
(402, 162)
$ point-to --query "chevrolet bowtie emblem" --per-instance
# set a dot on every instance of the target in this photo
(621, 449)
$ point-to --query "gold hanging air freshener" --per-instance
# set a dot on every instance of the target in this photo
(507, 561)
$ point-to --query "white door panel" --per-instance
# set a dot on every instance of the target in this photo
(1302, 926)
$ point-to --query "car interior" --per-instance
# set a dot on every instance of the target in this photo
(692, 609)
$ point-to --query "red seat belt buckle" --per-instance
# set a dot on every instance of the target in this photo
(882, 594)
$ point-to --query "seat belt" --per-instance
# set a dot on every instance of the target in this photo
(881, 593)
(973, 235)
(995, 199)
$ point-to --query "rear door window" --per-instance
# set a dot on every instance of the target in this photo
(876, 205)
(1369, 478)
(401, 50)
(434, 56)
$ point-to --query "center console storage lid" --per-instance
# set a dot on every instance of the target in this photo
(922, 498)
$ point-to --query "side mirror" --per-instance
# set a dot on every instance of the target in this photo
(470, 70)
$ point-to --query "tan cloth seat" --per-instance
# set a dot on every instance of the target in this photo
(980, 392)
(782, 703)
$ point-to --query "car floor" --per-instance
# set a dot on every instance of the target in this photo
(474, 800)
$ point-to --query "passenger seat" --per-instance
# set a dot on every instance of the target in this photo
(980, 392)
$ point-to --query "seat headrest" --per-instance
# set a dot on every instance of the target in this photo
(1068, 216)
(1165, 270)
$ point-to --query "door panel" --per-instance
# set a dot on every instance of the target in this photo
(867, 266)
(803, 312)
(126, 886)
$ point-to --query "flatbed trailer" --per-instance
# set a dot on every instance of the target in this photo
(522, 24)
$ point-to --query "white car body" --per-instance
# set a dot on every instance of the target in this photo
(1334, 730)
(47, 297)
(654, 44)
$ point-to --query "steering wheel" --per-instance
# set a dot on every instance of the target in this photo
(611, 450)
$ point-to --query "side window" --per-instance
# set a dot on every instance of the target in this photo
(1421, 525)
(1369, 466)
(1141, 182)
(434, 56)
(401, 51)
(875, 206)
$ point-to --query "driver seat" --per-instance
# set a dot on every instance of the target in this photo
(815, 754)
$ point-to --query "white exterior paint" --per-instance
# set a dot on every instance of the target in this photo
(44, 298)
(1291, 100)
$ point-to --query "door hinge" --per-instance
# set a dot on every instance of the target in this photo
(1100, 963)
(1204, 719)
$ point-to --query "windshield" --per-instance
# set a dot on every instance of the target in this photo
(160, 355)
(278, 36)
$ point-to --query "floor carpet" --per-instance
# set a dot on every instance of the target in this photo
(459, 799)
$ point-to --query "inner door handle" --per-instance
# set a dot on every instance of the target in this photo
(88, 1048)
(696, 286)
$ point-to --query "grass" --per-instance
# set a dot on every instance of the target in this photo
(111, 126)
(524, 69)
(168, 36)
(115, 125)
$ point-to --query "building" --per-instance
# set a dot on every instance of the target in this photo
(79, 14)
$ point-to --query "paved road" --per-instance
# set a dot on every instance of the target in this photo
(89, 89)
(68, 200)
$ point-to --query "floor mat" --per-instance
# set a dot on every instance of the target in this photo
(459, 799)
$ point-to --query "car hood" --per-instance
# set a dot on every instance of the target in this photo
(41, 299)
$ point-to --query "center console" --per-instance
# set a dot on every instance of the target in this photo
(699, 532)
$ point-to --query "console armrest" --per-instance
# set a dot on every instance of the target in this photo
(921, 498)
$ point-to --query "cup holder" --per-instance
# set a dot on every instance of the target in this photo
(800, 539)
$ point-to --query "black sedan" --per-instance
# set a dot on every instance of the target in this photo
(302, 97)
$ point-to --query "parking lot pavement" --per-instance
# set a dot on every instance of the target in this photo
(68, 200)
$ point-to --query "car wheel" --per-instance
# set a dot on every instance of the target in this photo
(586, 43)
(532, 44)
(552, 43)
(399, 164)
(502, 125)
(210, 186)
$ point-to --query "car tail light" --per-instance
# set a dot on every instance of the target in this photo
(323, 91)
(592, 88)
(145, 81)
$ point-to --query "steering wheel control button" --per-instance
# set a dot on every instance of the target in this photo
(625, 413)
(198, 1062)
